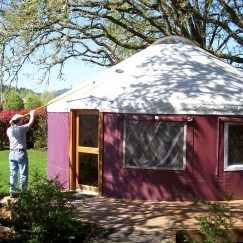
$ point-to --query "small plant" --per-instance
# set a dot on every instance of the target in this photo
(217, 224)
(43, 212)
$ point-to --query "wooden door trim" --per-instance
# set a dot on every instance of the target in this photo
(88, 150)
(100, 162)
(72, 154)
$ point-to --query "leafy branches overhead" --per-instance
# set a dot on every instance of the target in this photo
(47, 33)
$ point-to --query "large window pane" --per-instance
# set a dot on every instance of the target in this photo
(88, 129)
(158, 145)
(234, 146)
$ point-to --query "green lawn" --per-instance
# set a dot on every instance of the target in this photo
(37, 161)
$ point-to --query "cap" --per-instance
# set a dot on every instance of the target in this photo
(16, 117)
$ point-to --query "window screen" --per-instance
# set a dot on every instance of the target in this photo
(88, 129)
(154, 144)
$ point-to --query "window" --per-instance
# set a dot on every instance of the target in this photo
(154, 144)
(88, 130)
(233, 146)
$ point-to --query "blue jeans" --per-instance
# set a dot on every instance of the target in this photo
(18, 161)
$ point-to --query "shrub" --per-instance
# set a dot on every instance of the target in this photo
(43, 212)
(39, 131)
(217, 223)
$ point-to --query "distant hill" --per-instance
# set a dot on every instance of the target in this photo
(61, 91)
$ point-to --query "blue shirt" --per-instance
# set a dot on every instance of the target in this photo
(17, 137)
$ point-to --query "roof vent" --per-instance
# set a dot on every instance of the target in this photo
(174, 39)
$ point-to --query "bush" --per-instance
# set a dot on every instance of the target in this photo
(39, 131)
(43, 212)
(40, 134)
(217, 224)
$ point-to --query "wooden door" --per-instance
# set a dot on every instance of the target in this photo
(88, 158)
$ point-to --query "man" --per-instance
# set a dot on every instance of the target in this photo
(18, 159)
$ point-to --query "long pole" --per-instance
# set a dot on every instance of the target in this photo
(61, 97)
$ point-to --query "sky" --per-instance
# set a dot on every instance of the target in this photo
(75, 73)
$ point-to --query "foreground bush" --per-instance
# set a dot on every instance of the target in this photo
(43, 212)
(217, 224)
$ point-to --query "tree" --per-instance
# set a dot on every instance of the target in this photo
(47, 96)
(13, 101)
(32, 101)
(48, 33)
(24, 92)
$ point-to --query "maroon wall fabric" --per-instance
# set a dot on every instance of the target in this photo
(58, 146)
(203, 177)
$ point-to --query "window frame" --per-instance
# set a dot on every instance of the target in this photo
(183, 168)
(228, 167)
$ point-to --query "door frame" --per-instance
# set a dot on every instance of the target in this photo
(73, 151)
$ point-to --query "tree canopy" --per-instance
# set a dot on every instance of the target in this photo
(47, 33)
(32, 101)
(13, 101)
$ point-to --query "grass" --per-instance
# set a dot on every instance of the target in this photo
(37, 162)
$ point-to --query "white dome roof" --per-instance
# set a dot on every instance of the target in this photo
(172, 76)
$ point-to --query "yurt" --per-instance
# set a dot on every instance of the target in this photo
(164, 124)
